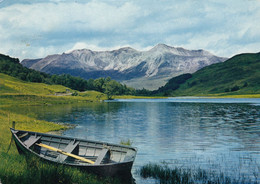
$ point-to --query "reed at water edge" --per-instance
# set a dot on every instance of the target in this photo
(163, 174)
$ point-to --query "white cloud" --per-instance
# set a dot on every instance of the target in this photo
(94, 47)
(48, 17)
(43, 23)
(83, 45)
(29, 29)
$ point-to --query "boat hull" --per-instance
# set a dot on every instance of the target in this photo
(111, 168)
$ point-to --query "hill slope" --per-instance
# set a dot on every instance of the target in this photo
(13, 85)
(12, 67)
(140, 69)
(238, 75)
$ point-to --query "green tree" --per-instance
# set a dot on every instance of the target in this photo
(112, 88)
(98, 84)
(90, 84)
(34, 77)
(235, 88)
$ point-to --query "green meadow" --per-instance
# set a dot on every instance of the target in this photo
(15, 168)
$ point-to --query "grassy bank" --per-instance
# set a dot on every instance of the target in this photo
(136, 97)
(31, 170)
(235, 96)
(223, 95)
(15, 168)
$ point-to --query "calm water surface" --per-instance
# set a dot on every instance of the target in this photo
(213, 134)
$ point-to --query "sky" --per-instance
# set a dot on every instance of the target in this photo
(37, 28)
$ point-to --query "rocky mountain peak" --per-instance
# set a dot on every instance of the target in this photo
(162, 48)
(80, 52)
(127, 49)
(149, 69)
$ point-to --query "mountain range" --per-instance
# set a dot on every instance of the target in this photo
(139, 69)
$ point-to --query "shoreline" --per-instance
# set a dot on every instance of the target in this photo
(61, 131)
(189, 96)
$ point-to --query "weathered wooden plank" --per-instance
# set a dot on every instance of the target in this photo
(31, 141)
(69, 149)
(23, 135)
(103, 154)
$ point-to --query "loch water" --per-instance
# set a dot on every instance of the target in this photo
(220, 135)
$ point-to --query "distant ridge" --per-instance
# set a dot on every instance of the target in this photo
(140, 69)
(238, 75)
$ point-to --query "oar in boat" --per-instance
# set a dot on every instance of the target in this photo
(66, 153)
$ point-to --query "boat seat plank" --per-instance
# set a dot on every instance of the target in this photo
(69, 149)
(31, 141)
(104, 153)
(23, 135)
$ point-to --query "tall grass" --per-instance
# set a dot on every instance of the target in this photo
(15, 168)
(127, 142)
(22, 170)
(163, 174)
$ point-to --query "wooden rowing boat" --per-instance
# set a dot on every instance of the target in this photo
(92, 156)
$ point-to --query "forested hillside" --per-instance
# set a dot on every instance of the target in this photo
(12, 67)
(238, 75)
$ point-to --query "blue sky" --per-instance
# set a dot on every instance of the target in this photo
(37, 28)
